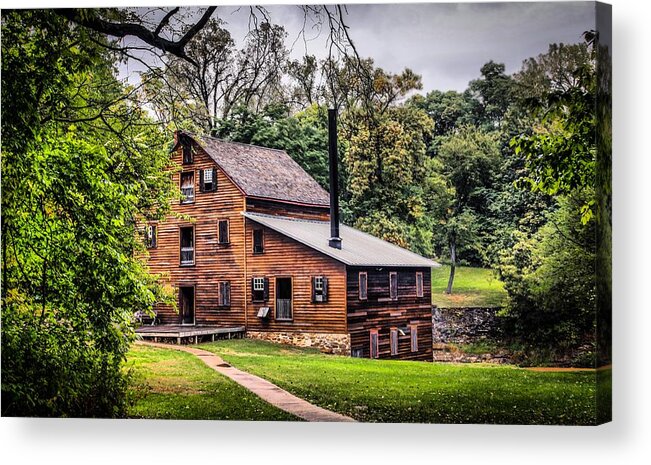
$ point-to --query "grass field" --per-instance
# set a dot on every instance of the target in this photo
(176, 385)
(473, 287)
(399, 391)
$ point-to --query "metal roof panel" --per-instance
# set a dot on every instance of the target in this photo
(358, 248)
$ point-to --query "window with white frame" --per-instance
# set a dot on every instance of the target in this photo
(319, 289)
(258, 284)
(208, 181)
(259, 289)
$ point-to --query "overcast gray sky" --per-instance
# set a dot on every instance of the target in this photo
(446, 43)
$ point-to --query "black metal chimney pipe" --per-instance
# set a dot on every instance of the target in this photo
(335, 240)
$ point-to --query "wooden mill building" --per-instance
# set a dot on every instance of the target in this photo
(250, 245)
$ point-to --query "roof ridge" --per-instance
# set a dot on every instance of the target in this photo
(225, 141)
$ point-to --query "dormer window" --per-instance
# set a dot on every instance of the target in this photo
(187, 187)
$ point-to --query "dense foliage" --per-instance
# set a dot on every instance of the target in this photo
(80, 164)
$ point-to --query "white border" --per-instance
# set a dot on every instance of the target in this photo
(625, 440)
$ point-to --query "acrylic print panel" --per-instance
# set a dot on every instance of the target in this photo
(362, 213)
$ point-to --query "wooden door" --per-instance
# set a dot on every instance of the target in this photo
(187, 305)
(284, 299)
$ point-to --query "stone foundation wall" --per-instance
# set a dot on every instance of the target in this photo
(454, 327)
(465, 325)
(328, 343)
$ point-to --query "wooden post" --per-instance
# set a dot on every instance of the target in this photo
(178, 340)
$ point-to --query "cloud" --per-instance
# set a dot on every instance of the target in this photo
(446, 43)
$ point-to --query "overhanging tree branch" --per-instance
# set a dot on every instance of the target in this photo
(120, 30)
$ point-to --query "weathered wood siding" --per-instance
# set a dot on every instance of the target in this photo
(379, 312)
(284, 257)
(214, 262)
(286, 209)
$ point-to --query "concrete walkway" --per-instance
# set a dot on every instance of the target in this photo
(261, 387)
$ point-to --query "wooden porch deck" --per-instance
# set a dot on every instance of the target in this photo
(181, 332)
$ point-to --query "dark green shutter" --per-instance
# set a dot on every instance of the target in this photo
(202, 187)
(325, 289)
(266, 289)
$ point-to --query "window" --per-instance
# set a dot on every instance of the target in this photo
(259, 289)
(208, 180)
(419, 284)
(374, 344)
(363, 280)
(414, 338)
(187, 187)
(225, 294)
(258, 241)
(187, 246)
(188, 156)
(393, 285)
(394, 341)
(223, 232)
(151, 232)
(357, 352)
(319, 289)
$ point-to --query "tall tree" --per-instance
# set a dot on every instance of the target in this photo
(385, 162)
(81, 164)
(222, 77)
(468, 161)
(559, 89)
(491, 95)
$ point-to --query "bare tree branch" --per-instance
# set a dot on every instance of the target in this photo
(166, 20)
(121, 30)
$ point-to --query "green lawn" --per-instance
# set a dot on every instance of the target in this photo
(176, 385)
(398, 391)
(473, 287)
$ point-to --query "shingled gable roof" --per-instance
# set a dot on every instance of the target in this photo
(264, 172)
(357, 247)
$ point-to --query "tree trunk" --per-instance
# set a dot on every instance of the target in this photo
(453, 264)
